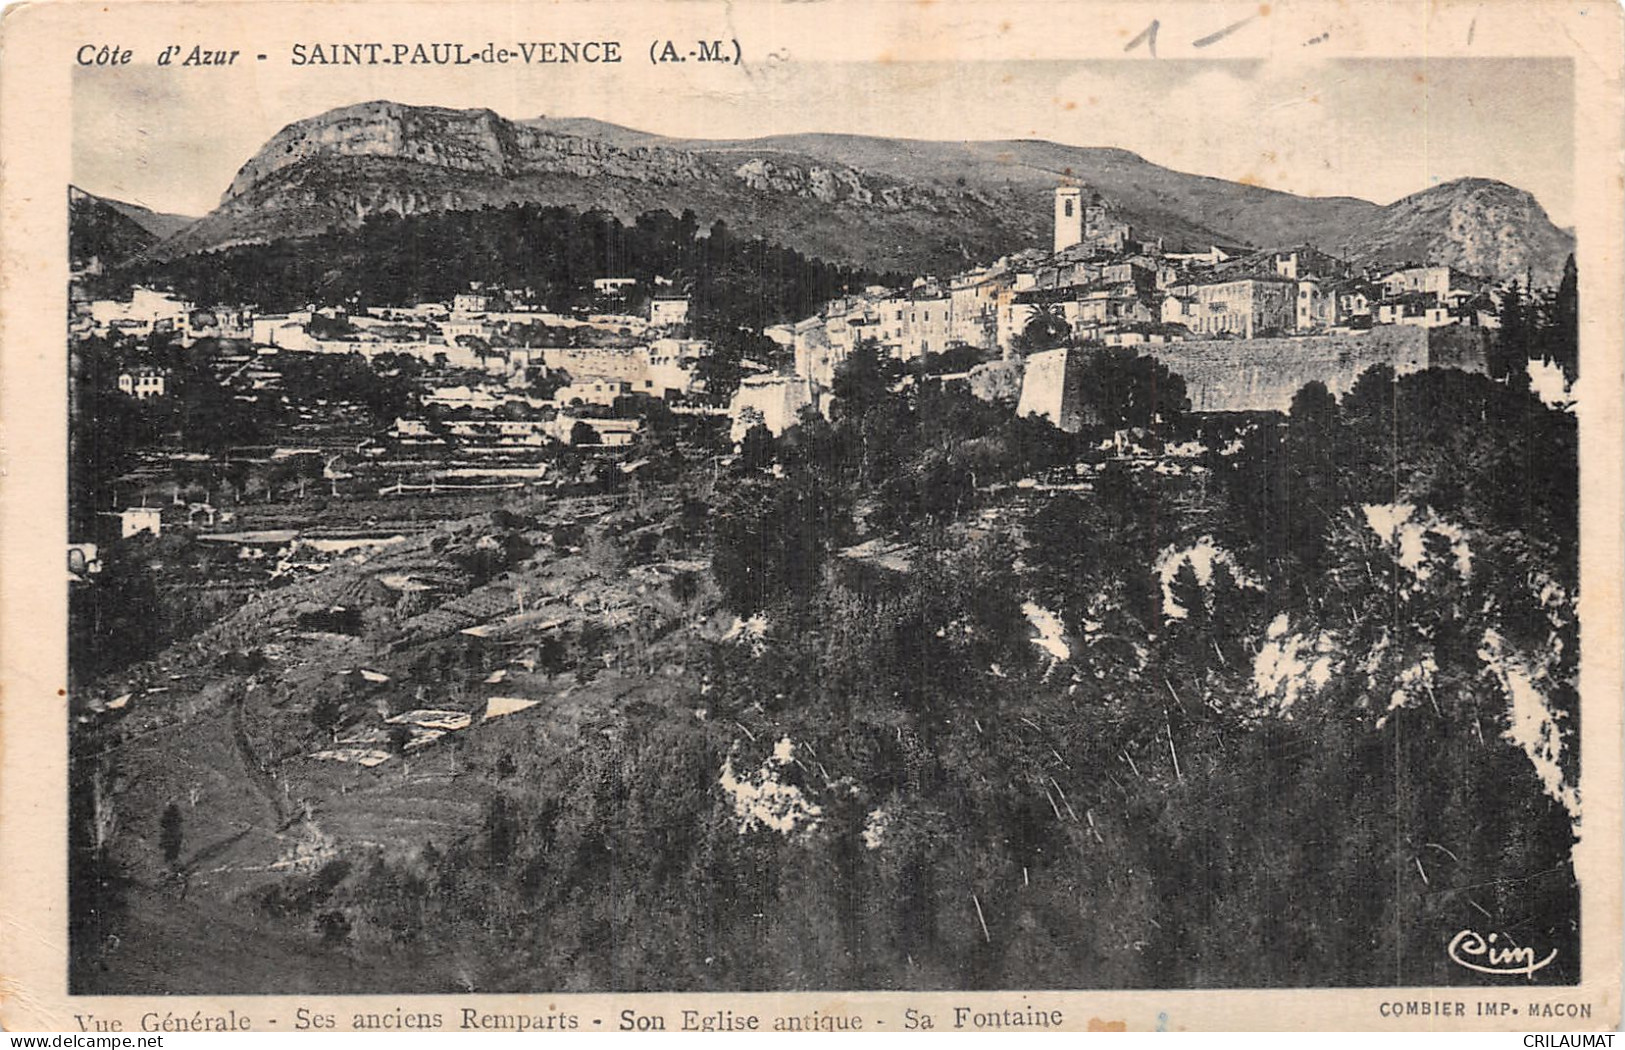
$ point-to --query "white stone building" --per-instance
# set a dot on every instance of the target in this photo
(773, 400)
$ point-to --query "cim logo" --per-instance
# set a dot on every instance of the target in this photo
(1477, 952)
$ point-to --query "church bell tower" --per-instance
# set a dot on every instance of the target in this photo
(1068, 217)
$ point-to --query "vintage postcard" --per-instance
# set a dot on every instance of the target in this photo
(823, 516)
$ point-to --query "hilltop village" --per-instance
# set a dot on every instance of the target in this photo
(1245, 327)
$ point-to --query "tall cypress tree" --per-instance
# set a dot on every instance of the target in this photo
(1563, 328)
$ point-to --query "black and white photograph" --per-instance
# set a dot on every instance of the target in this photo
(929, 525)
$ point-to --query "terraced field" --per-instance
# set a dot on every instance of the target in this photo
(259, 751)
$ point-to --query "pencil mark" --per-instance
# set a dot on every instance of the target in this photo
(1214, 38)
(1147, 36)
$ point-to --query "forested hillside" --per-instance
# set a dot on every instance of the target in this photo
(1287, 712)
(557, 252)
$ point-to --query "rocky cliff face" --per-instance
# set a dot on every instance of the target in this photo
(481, 143)
(915, 207)
(842, 185)
(1479, 226)
(470, 141)
(382, 157)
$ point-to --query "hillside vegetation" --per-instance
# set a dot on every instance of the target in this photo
(858, 710)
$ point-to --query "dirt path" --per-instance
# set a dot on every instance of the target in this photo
(264, 781)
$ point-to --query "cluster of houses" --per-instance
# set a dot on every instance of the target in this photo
(468, 332)
(479, 420)
(602, 379)
(608, 357)
(1101, 285)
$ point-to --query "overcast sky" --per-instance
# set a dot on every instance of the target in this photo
(1376, 129)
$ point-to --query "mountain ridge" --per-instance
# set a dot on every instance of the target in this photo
(112, 230)
(906, 205)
